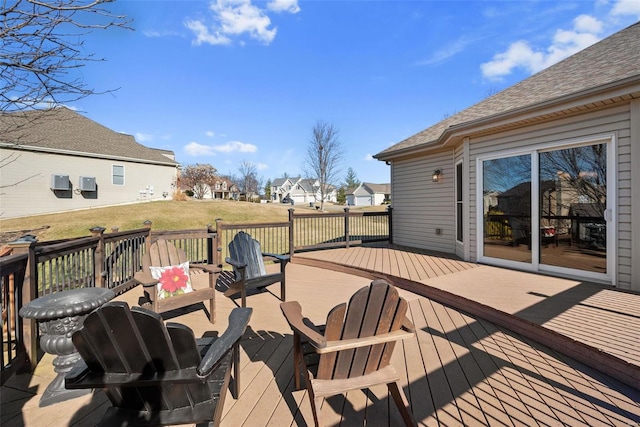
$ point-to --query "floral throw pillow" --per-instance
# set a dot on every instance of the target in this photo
(172, 280)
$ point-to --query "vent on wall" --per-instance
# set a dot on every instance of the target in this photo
(87, 183)
(60, 182)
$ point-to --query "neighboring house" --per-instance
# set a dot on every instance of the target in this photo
(281, 187)
(301, 191)
(225, 189)
(368, 194)
(58, 160)
(543, 176)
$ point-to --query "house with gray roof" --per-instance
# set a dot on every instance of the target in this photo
(57, 160)
(301, 191)
(576, 124)
(368, 194)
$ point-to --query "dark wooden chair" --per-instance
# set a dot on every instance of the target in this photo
(354, 352)
(155, 374)
(203, 280)
(247, 260)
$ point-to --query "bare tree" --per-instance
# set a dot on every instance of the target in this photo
(200, 178)
(324, 156)
(43, 48)
(249, 181)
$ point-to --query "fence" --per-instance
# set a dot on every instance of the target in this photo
(111, 260)
(13, 270)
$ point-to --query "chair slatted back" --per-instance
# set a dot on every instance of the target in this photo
(247, 250)
(118, 340)
(163, 253)
(374, 310)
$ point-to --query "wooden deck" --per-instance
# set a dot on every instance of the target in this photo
(602, 318)
(459, 369)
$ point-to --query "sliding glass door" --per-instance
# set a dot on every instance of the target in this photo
(547, 210)
(507, 208)
(573, 205)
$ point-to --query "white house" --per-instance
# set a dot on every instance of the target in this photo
(280, 188)
(58, 160)
(543, 176)
(369, 194)
(301, 191)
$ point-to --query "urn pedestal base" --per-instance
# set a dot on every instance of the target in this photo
(59, 315)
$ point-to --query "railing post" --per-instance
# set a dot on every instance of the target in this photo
(26, 244)
(218, 245)
(390, 210)
(99, 278)
(346, 226)
(147, 242)
(291, 250)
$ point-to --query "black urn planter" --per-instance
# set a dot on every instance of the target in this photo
(59, 315)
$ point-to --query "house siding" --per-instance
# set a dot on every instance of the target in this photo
(634, 193)
(421, 206)
(31, 171)
(616, 121)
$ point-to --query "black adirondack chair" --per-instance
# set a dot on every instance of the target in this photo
(247, 260)
(155, 374)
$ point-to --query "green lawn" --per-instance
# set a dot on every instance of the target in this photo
(165, 215)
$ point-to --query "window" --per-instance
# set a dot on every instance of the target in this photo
(117, 175)
(459, 204)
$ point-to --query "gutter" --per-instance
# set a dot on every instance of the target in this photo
(450, 133)
(23, 147)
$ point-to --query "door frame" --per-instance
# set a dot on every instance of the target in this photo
(611, 212)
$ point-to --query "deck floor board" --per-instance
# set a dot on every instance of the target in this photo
(459, 369)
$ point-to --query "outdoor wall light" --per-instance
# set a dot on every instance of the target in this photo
(436, 175)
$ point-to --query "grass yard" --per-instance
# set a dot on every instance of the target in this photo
(165, 215)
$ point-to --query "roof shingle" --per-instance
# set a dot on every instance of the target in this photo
(63, 129)
(613, 59)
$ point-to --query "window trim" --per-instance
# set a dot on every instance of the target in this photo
(113, 174)
(459, 200)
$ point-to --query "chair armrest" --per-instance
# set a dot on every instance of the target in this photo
(333, 346)
(277, 257)
(408, 325)
(237, 264)
(145, 278)
(293, 314)
(209, 268)
(238, 321)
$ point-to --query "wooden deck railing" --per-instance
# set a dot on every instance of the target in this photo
(111, 260)
(13, 270)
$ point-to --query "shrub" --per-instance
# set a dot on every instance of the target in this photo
(180, 196)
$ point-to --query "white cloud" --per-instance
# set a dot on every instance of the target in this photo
(587, 24)
(451, 49)
(195, 149)
(234, 146)
(233, 18)
(210, 133)
(261, 166)
(203, 35)
(565, 43)
(369, 157)
(156, 34)
(290, 6)
(626, 7)
(143, 137)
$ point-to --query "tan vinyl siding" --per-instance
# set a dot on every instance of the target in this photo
(31, 171)
(615, 120)
(457, 157)
(634, 194)
(422, 206)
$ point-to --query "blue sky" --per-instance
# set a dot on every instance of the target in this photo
(227, 81)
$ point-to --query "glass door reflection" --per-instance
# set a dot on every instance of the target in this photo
(507, 208)
(573, 201)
